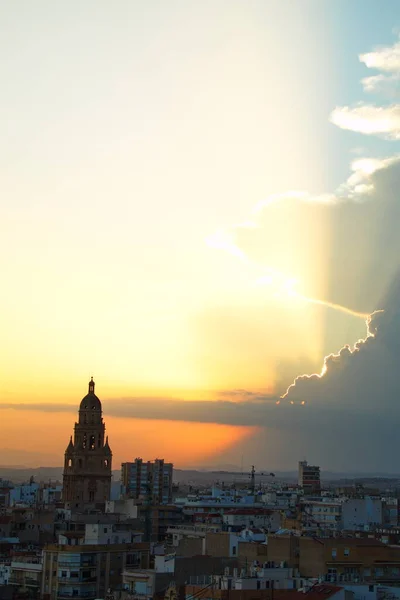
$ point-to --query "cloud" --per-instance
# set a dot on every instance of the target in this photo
(387, 85)
(370, 119)
(365, 376)
(236, 411)
(363, 243)
(385, 59)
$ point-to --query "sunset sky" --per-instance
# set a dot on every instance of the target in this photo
(199, 203)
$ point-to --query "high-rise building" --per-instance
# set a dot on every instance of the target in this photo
(148, 481)
(88, 457)
(309, 478)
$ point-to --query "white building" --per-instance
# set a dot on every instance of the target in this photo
(361, 513)
(321, 514)
(126, 508)
(101, 534)
(51, 495)
(24, 494)
(253, 517)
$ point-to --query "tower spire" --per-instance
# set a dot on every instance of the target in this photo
(91, 386)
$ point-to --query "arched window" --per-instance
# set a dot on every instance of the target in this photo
(106, 462)
(92, 444)
(69, 462)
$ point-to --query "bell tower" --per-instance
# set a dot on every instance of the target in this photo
(88, 457)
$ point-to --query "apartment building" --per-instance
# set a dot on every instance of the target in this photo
(88, 571)
(309, 478)
(344, 558)
(148, 481)
(25, 573)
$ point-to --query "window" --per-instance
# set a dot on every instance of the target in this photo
(70, 462)
(105, 529)
(92, 444)
(334, 552)
(370, 588)
(234, 550)
(347, 551)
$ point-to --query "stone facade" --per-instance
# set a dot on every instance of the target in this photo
(88, 457)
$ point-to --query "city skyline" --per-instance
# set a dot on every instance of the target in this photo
(200, 208)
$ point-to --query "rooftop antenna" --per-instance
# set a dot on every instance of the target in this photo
(253, 479)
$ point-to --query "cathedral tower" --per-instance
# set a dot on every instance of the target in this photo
(87, 466)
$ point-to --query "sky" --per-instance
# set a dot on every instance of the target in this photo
(199, 207)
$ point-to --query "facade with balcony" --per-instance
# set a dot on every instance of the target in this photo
(26, 575)
(88, 571)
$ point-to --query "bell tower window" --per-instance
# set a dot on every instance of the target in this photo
(92, 444)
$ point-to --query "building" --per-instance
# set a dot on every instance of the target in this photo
(253, 517)
(321, 514)
(26, 494)
(222, 544)
(341, 559)
(146, 584)
(26, 573)
(309, 478)
(251, 589)
(88, 457)
(360, 514)
(148, 481)
(88, 571)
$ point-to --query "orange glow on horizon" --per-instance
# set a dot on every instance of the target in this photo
(183, 443)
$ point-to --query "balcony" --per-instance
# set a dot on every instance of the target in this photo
(24, 583)
(76, 564)
(91, 594)
(76, 580)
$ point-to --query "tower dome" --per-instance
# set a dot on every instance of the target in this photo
(90, 401)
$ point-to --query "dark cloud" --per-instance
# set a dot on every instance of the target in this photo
(363, 377)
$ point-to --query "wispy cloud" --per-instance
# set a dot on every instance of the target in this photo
(371, 119)
(385, 85)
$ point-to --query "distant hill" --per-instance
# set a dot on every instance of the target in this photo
(19, 474)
